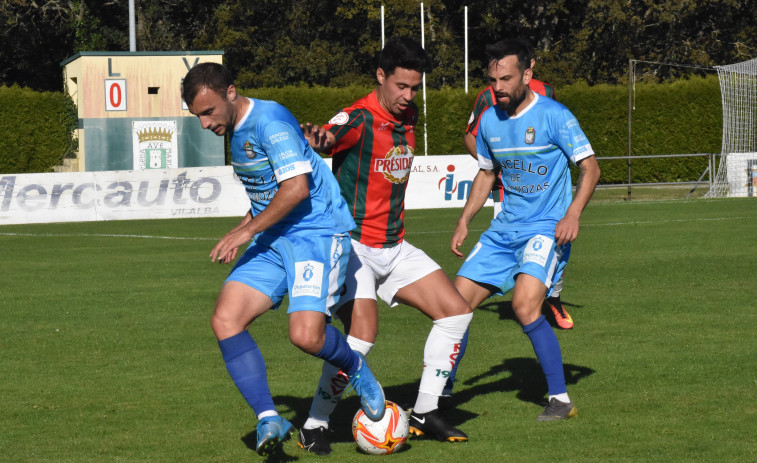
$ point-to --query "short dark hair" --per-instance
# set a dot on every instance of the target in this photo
(404, 52)
(507, 47)
(214, 76)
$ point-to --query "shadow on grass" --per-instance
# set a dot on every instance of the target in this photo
(522, 376)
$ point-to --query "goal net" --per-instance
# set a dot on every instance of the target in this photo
(737, 173)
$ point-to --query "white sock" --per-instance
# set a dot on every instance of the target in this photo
(561, 397)
(439, 356)
(331, 387)
(267, 413)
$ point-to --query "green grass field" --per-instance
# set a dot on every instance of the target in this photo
(107, 354)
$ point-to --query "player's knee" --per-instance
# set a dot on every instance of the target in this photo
(224, 325)
(307, 340)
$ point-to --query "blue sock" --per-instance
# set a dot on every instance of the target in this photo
(247, 368)
(451, 379)
(337, 352)
(547, 350)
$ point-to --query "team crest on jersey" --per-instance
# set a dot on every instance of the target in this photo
(340, 118)
(248, 150)
(530, 135)
(396, 165)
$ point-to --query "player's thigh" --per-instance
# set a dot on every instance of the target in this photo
(360, 278)
(237, 306)
(403, 266)
(435, 296)
(473, 292)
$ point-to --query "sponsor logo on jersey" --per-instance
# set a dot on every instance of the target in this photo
(396, 165)
(308, 278)
(537, 250)
(278, 137)
(386, 126)
(530, 135)
(494, 139)
(248, 149)
(287, 154)
(340, 119)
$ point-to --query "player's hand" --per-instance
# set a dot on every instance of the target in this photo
(566, 230)
(226, 250)
(461, 232)
(316, 136)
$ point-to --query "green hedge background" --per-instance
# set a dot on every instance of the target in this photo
(680, 117)
(36, 129)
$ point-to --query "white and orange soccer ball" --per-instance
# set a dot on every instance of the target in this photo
(381, 437)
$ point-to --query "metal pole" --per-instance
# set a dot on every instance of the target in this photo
(382, 27)
(425, 131)
(465, 21)
(132, 28)
(631, 75)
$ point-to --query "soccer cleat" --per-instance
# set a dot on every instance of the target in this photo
(556, 410)
(315, 440)
(434, 425)
(562, 317)
(368, 388)
(272, 432)
(446, 402)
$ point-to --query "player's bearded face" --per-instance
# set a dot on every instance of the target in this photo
(398, 89)
(509, 83)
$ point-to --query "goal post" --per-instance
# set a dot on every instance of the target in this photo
(737, 173)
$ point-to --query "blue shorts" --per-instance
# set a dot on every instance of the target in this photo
(498, 258)
(310, 269)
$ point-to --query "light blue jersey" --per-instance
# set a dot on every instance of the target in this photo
(268, 147)
(305, 254)
(532, 149)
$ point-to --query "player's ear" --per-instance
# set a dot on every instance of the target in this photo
(231, 93)
(527, 75)
(380, 76)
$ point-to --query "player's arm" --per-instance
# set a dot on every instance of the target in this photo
(567, 228)
(482, 186)
(469, 140)
(291, 192)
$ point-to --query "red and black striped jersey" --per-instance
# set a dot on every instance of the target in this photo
(372, 160)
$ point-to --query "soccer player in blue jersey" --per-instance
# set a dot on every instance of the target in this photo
(299, 227)
(531, 139)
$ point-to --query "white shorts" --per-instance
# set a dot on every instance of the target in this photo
(384, 271)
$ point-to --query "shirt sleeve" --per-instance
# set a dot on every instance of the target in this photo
(285, 150)
(481, 105)
(482, 150)
(345, 126)
(571, 138)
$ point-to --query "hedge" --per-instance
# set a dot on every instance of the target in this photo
(681, 117)
(37, 129)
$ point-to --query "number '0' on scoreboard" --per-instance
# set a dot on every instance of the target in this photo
(115, 94)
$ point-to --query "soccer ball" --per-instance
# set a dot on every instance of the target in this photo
(384, 436)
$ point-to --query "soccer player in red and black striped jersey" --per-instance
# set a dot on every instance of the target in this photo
(372, 143)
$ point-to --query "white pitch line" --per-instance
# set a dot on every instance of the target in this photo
(106, 235)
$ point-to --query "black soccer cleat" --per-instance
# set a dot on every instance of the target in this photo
(556, 410)
(434, 425)
(315, 440)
